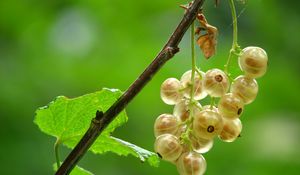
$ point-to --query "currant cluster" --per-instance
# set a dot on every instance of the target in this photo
(182, 137)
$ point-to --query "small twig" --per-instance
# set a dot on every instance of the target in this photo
(101, 120)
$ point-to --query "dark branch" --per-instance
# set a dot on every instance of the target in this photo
(101, 120)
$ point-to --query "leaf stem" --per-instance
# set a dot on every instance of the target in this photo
(56, 147)
(235, 48)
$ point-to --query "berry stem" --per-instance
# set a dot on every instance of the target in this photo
(235, 48)
(193, 64)
(212, 102)
(185, 135)
(56, 146)
(199, 73)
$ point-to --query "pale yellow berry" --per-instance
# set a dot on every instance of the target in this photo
(215, 83)
(182, 109)
(165, 124)
(207, 124)
(191, 163)
(231, 130)
(246, 88)
(210, 107)
(186, 83)
(200, 145)
(253, 61)
(170, 91)
(168, 147)
(230, 106)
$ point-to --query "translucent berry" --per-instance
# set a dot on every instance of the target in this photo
(168, 147)
(215, 109)
(207, 124)
(165, 124)
(185, 80)
(191, 163)
(253, 61)
(215, 82)
(230, 106)
(181, 129)
(200, 145)
(246, 88)
(169, 91)
(231, 130)
(182, 109)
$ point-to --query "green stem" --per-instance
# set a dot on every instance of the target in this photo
(185, 135)
(235, 49)
(56, 146)
(212, 102)
(234, 23)
(193, 63)
(199, 73)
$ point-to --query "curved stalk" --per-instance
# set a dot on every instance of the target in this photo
(235, 48)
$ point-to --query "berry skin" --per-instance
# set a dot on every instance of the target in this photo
(215, 83)
(185, 80)
(181, 129)
(230, 106)
(169, 91)
(215, 109)
(231, 130)
(246, 88)
(200, 145)
(207, 124)
(182, 109)
(168, 147)
(191, 163)
(253, 61)
(165, 124)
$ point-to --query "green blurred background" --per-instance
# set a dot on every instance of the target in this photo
(73, 47)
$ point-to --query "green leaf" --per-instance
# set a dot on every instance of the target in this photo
(136, 151)
(76, 171)
(68, 119)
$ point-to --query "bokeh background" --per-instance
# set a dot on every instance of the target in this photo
(72, 47)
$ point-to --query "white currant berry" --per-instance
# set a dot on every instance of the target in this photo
(168, 147)
(253, 61)
(165, 124)
(200, 145)
(191, 163)
(181, 129)
(182, 109)
(215, 82)
(246, 88)
(211, 108)
(169, 91)
(230, 106)
(207, 124)
(231, 130)
(186, 83)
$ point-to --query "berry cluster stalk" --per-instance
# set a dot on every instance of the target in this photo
(235, 49)
(101, 121)
(193, 65)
